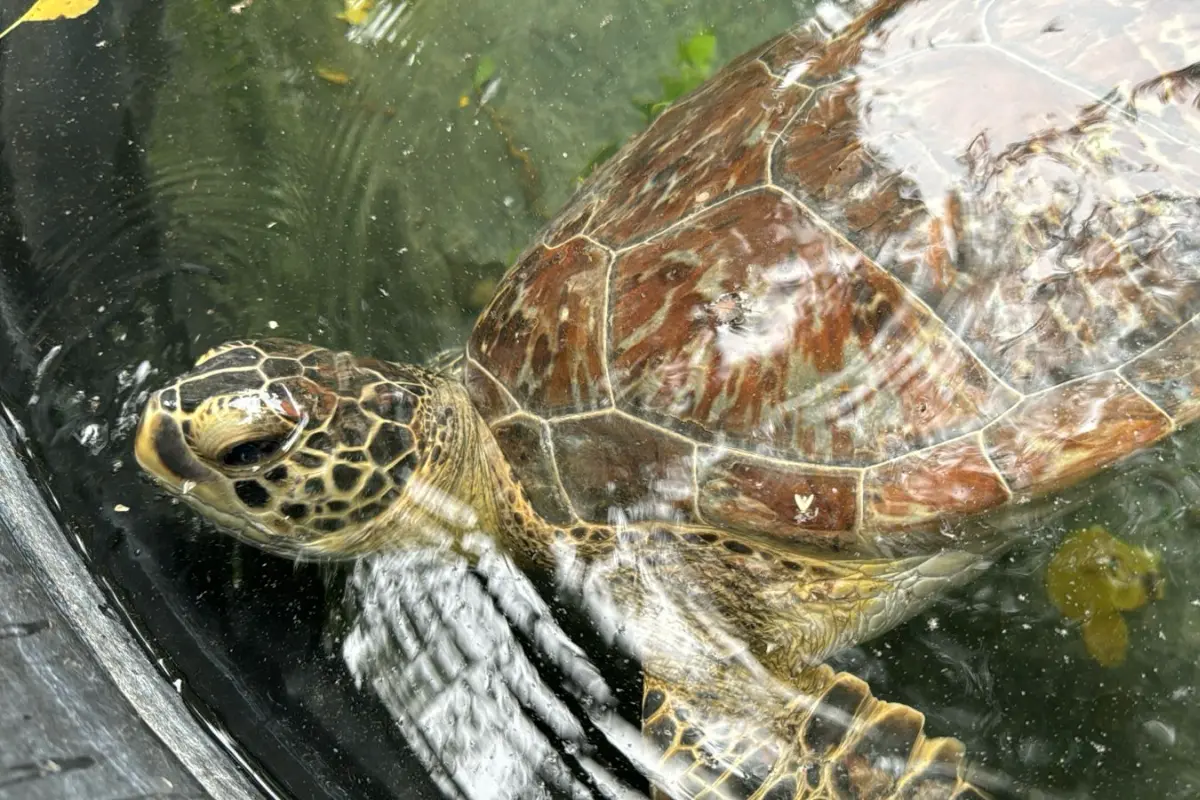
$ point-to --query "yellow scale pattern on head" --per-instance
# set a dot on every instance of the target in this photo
(311, 444)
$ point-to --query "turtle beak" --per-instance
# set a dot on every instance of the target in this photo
(161, 451)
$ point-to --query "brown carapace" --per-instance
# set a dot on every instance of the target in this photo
(849, 270)
(832, 313)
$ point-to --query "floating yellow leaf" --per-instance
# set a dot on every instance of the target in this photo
(334, 76)
(353, 16)
(464, 101)
(47, 10)
(1095, 576)
(355, 12)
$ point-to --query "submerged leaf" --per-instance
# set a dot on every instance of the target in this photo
(336, 77)
(607, 151)
(694, 62)
(699, 50)
(483, 72)
(1092, 578)
(694, 65)
(1106, 638)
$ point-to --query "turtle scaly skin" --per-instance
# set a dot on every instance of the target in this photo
(806, 353)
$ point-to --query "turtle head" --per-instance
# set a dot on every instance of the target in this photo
(297, 449)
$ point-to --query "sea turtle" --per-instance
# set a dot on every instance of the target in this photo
(797, 359)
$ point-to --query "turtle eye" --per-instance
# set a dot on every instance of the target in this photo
(252, 452)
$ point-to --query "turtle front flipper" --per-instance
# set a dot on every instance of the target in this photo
(731, 734)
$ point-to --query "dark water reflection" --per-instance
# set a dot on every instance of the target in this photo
(175, 177)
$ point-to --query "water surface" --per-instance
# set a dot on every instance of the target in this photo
(277, 171)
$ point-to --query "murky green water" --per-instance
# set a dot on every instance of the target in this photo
(368, 213)
(343, 184)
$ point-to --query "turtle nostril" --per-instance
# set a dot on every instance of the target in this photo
(168, 399)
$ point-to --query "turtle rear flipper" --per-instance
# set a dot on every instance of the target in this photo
(827, 737)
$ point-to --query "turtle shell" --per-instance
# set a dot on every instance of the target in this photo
(858, 284)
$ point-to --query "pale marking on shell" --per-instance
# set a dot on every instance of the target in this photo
(800, 109)
(704, 208)
(1104, 101)
(600, 412)
(909, 57)
(606, 324)
(985, 45)
(983, 21)
(545, 428)
(634, 243)
(908, 293)
(784, 81)
(696, 483)
(591, 212)
(587, 238)
(859, 471)
(860, 501)
(620, 158)
(1141, 394)
(1008, 492)
(512, 416)
(496, 381)
(1162, 343)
